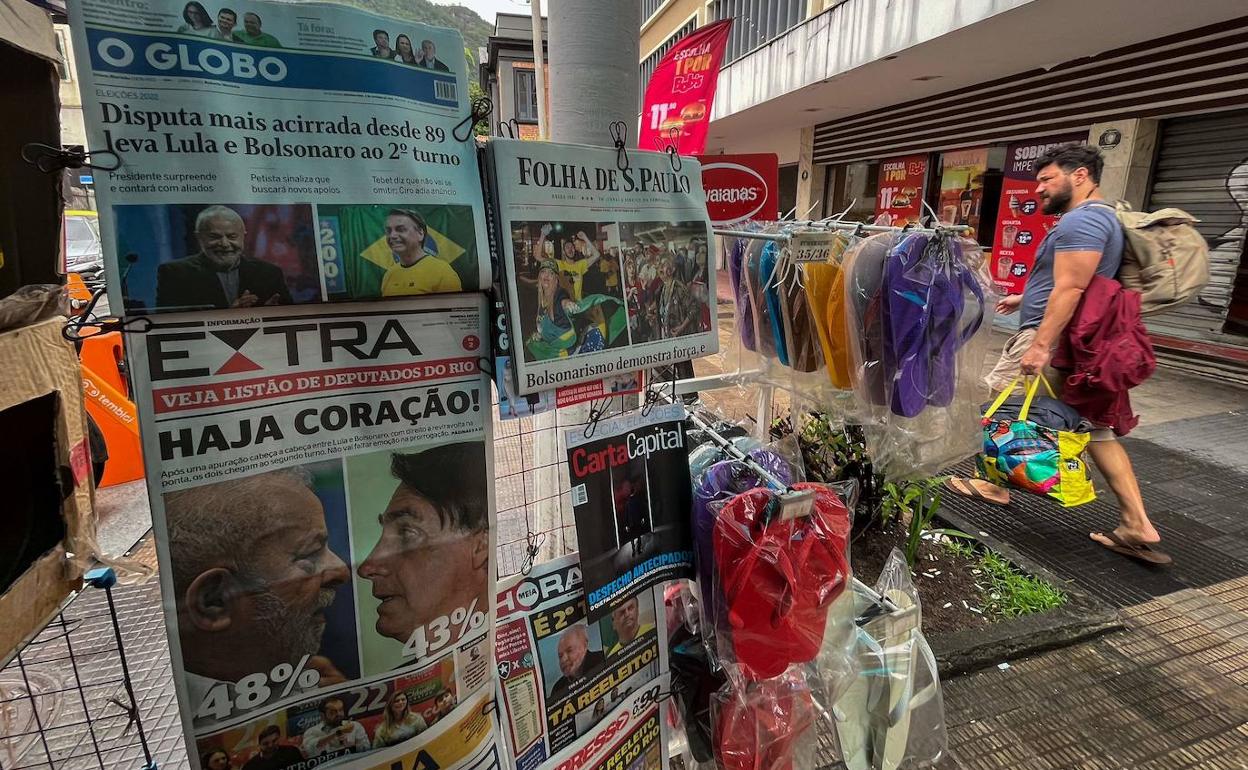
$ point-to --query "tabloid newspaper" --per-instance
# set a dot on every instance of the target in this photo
(276, 153)
(632, 737)
(606, 263)
(560, 675)
(631, 497)
(320, 481)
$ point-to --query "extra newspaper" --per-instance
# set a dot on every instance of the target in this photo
(560, 676)
(606, 261)
(275, 153)
(321, 492)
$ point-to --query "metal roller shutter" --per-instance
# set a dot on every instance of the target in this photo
(1202, 168)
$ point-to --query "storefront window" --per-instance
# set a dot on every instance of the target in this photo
(851, 188)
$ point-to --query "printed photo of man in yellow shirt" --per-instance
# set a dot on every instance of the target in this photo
(415, 271)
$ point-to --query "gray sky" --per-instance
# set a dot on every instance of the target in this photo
(487, 8)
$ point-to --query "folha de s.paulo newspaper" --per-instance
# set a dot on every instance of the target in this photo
(606, 265)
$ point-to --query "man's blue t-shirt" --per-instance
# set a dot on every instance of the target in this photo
(1090, 226)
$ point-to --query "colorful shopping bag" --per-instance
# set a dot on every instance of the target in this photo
(1032, 457)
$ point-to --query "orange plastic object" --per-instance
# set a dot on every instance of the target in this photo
(77, 289)
(103, 355)
(119, 421)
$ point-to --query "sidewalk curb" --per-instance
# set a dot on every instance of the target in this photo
(1082, 618)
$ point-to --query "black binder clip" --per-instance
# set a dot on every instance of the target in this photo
(480, 110)
(509, 128)
(533, 546)
(597, 410)
(619, 135)
(47, 158)
(670, 147)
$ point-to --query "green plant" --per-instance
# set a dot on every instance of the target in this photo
(1005, 592)
(834, 452)
(914, 504)
(1010, 594)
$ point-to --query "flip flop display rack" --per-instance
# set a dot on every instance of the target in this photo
(883, 327)
(795, 655)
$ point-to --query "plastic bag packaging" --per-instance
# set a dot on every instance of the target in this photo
(32, 304)
(721, 482)
(740, 358)
(920, 314)
(777, 578)
(893, 712)
(766, 725)
(695, 681)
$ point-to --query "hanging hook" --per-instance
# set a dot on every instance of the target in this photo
(619, 135)
(479, 111)
(932, 211)
(47, 158)
(512, 127)
(73, 330)
(673, 154)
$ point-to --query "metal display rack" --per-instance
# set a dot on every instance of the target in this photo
(73, 670)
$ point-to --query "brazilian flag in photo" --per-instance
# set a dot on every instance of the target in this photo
(363, 257)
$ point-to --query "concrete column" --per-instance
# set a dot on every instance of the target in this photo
(810, 178)
(1129, 147)
(593, 82)
(593, 69)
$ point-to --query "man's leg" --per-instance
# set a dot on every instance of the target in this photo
(1134, 527)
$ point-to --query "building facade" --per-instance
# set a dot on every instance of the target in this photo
(848, 91)
(508, 76)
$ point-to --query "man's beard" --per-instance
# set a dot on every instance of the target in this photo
(1058, 202)
(224, 261)
(290, 631)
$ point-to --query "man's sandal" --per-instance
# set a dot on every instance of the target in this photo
(1139, 551)
(965, 488)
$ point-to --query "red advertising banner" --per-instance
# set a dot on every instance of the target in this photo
(681, 90)
(899, 200)
(1021, 225)
(741, 187)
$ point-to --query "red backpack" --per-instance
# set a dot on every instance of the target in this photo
(779, 577)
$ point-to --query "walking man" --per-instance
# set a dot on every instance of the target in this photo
(1086, 241)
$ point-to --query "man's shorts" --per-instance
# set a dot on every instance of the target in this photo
(1009, 368)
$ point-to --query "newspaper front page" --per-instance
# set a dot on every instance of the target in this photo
(606, 261)
(559, 674)
(276, 153)
(320, 480)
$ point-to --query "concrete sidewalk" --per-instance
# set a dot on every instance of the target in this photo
(1171, 691)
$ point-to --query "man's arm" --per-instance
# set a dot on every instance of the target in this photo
(311, 746)
(591, 251)
(1072, 272)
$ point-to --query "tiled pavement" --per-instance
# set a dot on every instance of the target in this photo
(1171, 691)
